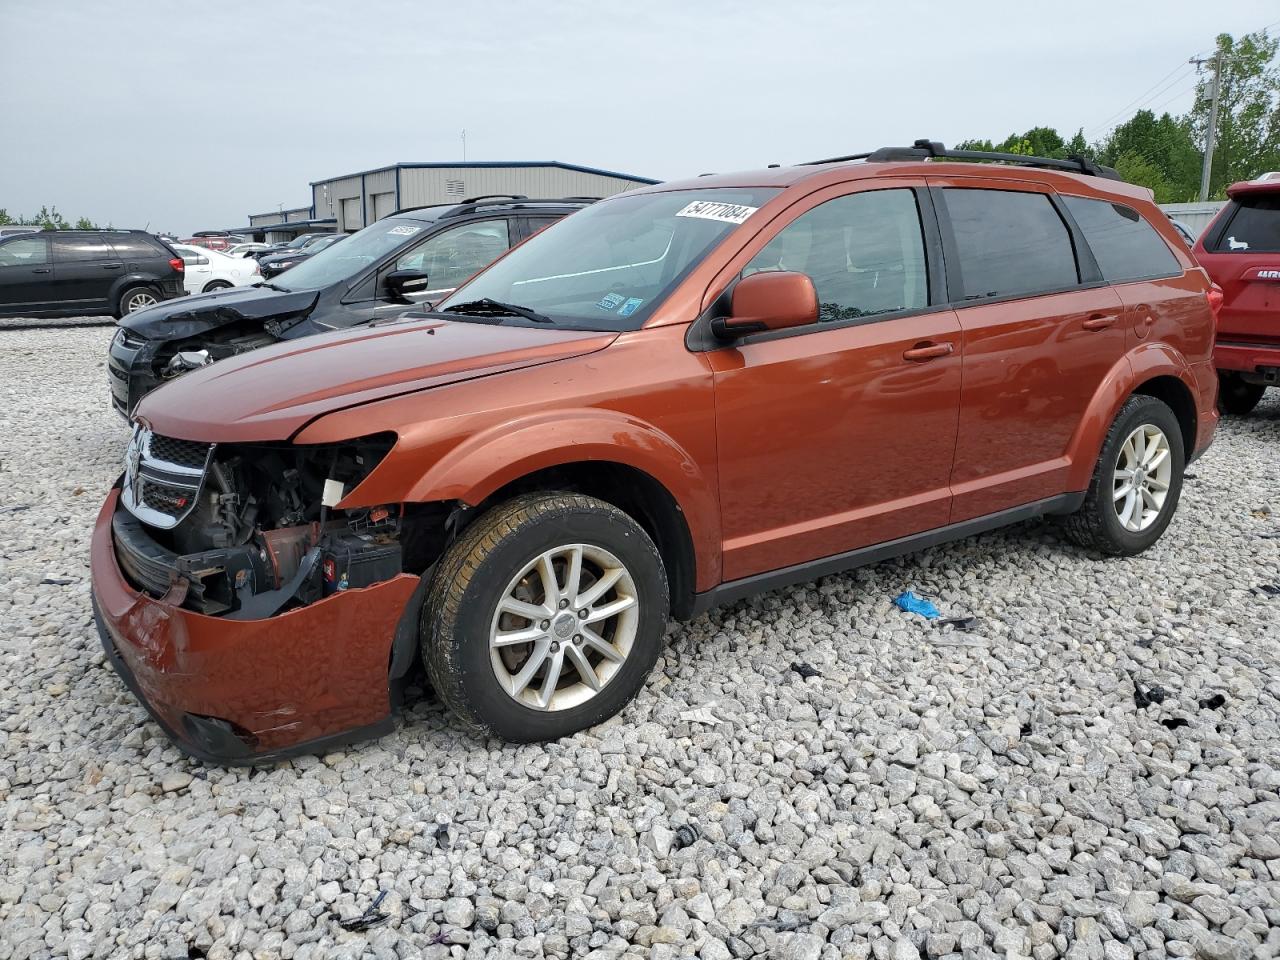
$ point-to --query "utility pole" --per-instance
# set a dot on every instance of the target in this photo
(464, 144)
(1215, 88)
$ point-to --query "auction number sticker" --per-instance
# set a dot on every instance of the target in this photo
(715, 210)
(404, 231)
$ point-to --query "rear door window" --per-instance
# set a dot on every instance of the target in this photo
(136, 247)
(1254, 227)
(1125, 245)
(76, 249)
(1009, 243)
(864, 254)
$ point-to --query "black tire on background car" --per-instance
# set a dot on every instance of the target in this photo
(215, 285)
(1236, 396)
(135, 299)
(544, 617)
(1136, 483)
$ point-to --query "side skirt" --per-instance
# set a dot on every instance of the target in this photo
(824, 566)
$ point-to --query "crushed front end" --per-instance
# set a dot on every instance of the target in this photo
(250, 615)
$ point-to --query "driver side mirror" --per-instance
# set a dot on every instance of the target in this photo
(772, 300)
(401, 283)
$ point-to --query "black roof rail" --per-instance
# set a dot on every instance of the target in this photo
(496, 196)
(933, 150)
(502, 200)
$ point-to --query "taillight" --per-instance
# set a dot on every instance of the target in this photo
(1215, 297)
(177, 264)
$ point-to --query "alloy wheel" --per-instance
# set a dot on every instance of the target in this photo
(139, 300)
(1142, 476)
(564, 626)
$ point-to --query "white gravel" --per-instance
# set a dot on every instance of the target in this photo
(930, 793)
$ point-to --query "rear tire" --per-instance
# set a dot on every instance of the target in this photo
(1236, 396)
(1136, 483)
(135, 299)
(215, 285)
(545, 617)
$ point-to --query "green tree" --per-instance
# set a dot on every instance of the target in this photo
(1248, 135)
(1155, 152)
(84, 223)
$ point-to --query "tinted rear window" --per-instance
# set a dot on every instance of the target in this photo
(1254, 227)
(136, 245)
(1009, 243)
(71, 249)
(1125, 245)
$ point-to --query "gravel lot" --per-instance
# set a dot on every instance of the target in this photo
(929, 792)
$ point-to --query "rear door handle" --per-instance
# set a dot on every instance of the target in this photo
(42, 270)
(112, 266)
(928, 351)
(1100, 321)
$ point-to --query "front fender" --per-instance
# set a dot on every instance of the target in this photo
(1143, 363)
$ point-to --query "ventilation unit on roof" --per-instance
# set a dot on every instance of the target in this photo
(455, 188)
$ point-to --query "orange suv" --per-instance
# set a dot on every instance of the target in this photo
(674, 398)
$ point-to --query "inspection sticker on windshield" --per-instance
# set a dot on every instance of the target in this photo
(610, 301)
(404, 231)
(712, 210)
(630, 307)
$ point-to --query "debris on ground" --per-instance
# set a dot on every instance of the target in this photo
(908, 602)
(1215, 702)
(1173, 723)
(959, 623)
(57, 581)
(703, 714)
(1268, 589)
(1146, 697)
(805, 670)
(370, 918)
(686, 836)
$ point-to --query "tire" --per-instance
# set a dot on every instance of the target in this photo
(135, 299)
(1098, 524)
(497, 557)
(215, 285)
(1236, 396)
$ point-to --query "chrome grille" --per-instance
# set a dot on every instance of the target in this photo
(162, 477)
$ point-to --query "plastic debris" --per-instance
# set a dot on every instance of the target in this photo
(805, 670)
(1145, 698)
(441, 833)
(1268, 589)
(57, 581)
(1213, 703)
(701, 714)
(370, 918)
(686, 836)
(960, 623)
(908, 602)
(1173, 723)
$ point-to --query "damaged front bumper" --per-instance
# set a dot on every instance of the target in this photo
(130, 370)
(250, 691)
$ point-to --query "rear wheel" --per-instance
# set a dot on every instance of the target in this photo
(545, 617)
(215, 285)
(137, 298)
(1236, 396)
(1136, 483)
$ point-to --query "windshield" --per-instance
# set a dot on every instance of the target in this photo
(341, 261)
(608, 267)
(298, 242)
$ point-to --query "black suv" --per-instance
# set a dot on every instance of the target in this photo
(408, 259)
(71, 273)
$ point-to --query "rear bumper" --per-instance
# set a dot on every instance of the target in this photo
(1246, 357)
(250, 691)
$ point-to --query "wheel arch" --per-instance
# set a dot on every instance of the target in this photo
(1177, 396)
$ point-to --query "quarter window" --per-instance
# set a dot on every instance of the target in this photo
(864, 254)
(1124, 244)
(1009, 243)
(451, 257)
(24, 252)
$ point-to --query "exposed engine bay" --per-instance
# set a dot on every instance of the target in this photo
(248, 531)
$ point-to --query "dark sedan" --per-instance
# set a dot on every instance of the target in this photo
(278, 263)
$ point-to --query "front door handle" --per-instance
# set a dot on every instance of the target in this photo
(42, 270)
(112, 266)
(1100, 321)
(928, 351)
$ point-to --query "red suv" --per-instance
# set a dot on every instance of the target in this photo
(1241, 251)
(674, 398)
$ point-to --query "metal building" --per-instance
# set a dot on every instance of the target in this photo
(358, 199)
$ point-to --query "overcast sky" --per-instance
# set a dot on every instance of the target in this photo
(189, 115)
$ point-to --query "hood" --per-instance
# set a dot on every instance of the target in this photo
(271, 393)
(191, 316)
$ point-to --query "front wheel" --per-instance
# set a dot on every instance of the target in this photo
(1237, 396)
(1136, 483)
(213, 285)
(545, 617)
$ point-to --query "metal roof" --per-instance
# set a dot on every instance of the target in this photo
(491, 164)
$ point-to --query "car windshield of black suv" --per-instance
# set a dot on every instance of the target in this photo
(608, 266)
(341, 261)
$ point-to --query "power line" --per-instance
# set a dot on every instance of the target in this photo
(1180, 67)
(1170, 80)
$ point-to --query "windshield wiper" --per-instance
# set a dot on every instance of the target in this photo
(272, 286)
(486, 306)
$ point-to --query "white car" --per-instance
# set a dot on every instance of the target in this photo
(210, 270)
(247, 249)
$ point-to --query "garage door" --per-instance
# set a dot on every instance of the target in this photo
(351, 213)
(384, 205)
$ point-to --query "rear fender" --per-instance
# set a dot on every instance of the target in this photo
(1146, 362)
